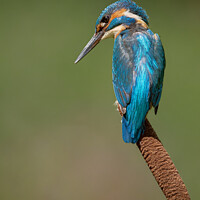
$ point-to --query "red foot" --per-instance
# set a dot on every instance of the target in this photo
(121, 110)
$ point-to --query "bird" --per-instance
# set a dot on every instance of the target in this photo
(138, 63)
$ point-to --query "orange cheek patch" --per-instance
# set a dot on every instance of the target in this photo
(142, 23)
(98, 28)
(116, 14)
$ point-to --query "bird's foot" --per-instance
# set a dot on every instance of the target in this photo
(121, 109)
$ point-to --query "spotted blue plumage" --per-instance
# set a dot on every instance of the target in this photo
(138, 69)
(127, 4)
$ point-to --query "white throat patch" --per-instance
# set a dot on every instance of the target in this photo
(113, 32)
(131, 15)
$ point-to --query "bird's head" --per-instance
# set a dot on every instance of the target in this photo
(114, 19)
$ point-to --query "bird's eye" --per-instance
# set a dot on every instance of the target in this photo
(105, 19)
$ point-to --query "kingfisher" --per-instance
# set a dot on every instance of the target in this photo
(138, 63)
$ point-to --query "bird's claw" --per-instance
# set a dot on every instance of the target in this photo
(121, 109)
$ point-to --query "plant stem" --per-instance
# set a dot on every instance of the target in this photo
(161, 165)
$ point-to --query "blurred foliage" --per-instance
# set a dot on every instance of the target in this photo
(60, 135)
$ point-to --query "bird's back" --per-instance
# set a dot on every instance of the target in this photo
(138, 70)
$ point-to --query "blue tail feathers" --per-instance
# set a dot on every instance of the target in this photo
(129, 134)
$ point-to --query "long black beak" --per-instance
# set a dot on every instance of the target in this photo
(90, 45)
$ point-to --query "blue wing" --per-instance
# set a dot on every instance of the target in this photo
(138, 69)
(158, 73)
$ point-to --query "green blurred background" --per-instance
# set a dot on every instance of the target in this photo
(60, 134)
